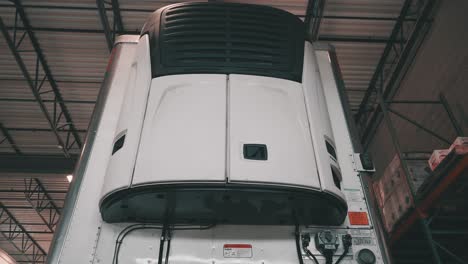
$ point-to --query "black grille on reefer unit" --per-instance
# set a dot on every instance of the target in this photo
(225, 38)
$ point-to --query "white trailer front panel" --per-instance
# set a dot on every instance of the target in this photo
(264, 110)
(240, 165)
(184, 136)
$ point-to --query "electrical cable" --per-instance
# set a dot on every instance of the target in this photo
(347, 242)
(134, 227)
(311, 256)
(328, 257)
(124, 233)
(305, 243)
(161, 244)
(342, 255)
(298, 245)
(168, 248)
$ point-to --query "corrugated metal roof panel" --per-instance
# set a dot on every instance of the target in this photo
(368, 8)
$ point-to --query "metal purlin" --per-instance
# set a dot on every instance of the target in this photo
(36, 81)
(19, 238)
(40, 200)
(9, 138)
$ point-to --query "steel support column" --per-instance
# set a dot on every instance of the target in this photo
(40, 200)
(20, 239)
(313, 18)
(117, 24)
(429, 238)
(117, 16)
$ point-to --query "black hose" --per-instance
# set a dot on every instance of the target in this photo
(168, 249)
(124, 233)
(347, 242)
(342, 255)
(298, 245)
(131, 228)
(161, 248)
(311, 256)
(329, 258)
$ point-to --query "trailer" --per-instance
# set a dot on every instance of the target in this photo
(220, 135)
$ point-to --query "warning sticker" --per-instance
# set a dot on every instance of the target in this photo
(367, 241)
(358, 218)
(237, 251)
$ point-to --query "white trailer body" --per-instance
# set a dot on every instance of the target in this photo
(192, 166)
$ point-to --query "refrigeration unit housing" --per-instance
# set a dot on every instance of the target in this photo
(223, 116)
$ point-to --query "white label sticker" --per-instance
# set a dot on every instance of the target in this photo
(358, 241)
(237, 251)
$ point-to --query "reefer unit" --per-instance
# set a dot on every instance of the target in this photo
(221, 129)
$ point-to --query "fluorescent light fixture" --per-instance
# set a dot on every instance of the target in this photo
(69, 178)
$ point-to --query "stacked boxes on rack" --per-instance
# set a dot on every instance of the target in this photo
(460, 146)
(437, 157)
(393, 192)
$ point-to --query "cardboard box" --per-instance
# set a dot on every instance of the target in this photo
(460, 145)
(377, 193)
(405, 201)
(393, 191)
(391, 178)
(419, 172)
(437, 157)
(396, 206)
(388, 214)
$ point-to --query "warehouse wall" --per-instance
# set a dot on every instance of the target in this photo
(441, 65)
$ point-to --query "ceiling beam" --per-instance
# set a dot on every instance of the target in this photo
(9, 138)
(105, 24)
(333, 38)
(24, 100)
(47, 71)
(313, 18)
(37, 163)
(35, 129)
(13, 48)
(41, 201)
(20, 238)
(117, 16)
(356, 39)
(117, 25)
(35, 84)
(394, 63)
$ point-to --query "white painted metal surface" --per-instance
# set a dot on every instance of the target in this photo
(122, 162)
(317, 111)
(184, 135)
(76, 242)
(290, 115)
(270, 111)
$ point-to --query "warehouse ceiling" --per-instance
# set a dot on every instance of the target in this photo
(53, 55)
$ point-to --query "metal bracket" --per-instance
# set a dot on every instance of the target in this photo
(362, 162)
